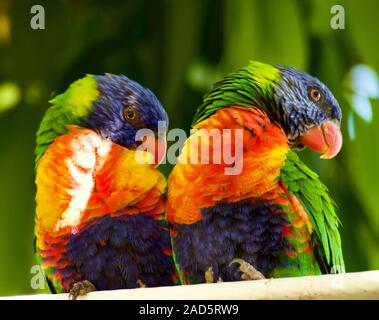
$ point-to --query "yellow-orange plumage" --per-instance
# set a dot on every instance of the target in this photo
(263, 156)
(82, 176)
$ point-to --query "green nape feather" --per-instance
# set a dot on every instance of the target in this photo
(313, 195)
(242, 88)
(70, 107)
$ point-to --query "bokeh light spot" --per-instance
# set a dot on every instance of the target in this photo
(10, 95)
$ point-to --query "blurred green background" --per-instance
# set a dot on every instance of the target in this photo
(178, 48)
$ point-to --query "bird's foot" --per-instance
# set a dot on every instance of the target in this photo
(141, 284)
(248, 271)
(80, 288)
(209, 276)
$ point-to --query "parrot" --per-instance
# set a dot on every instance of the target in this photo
(100, 200)
(274, 218)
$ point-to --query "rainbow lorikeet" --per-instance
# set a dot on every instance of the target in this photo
(275, 217)
(100, 211)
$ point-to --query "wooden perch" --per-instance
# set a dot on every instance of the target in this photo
(359, 285)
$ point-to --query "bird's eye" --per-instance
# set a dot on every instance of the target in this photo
(130, 113)
(315, 94)
(132, 116)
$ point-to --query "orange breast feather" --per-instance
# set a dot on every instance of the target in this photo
(195, 186)
(82, 176)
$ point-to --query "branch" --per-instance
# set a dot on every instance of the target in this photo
(359, 285)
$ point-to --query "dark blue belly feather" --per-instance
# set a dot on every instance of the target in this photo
(113, 253)
(252, 232)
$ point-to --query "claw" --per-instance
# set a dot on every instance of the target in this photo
(80, 288)
(248, 271)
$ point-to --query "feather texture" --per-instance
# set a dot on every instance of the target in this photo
(314, 197)
(275, 193)
(83, 179)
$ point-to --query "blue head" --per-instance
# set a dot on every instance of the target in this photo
(308, 112)
(124, 107)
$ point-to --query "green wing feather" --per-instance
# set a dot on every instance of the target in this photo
(314, 196)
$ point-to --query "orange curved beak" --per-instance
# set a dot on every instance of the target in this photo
(157, 147)
(326, 139)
